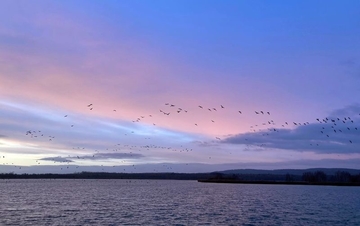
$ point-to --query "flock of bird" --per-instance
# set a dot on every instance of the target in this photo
(331, 126)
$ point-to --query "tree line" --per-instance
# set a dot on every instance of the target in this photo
(309, 177)
(338, 177)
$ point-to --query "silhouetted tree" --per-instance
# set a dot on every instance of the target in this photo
(289, 177)
(342, 176)
(218, 176)
(355, 178)
(308, 176)
(318, 176)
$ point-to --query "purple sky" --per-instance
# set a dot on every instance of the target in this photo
(139, 86)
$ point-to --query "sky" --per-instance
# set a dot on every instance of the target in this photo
(178, 86)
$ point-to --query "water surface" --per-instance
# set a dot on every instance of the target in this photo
(168, 202)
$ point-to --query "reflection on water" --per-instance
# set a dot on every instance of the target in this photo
(155, 202)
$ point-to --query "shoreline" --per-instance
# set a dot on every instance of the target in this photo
(277, 182)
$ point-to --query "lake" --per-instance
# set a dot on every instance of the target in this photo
(169, 202)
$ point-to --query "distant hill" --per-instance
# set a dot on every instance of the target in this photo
(299, 172)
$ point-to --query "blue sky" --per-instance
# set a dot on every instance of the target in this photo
(92, 83)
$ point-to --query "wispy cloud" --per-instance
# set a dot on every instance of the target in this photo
(59, 129)
(99, 156)
(56, 159)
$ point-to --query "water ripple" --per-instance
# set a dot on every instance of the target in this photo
(152, 202)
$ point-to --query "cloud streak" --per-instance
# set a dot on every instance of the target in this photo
(337, 133)
(102, 156)
(97, 156)
(56, 159)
